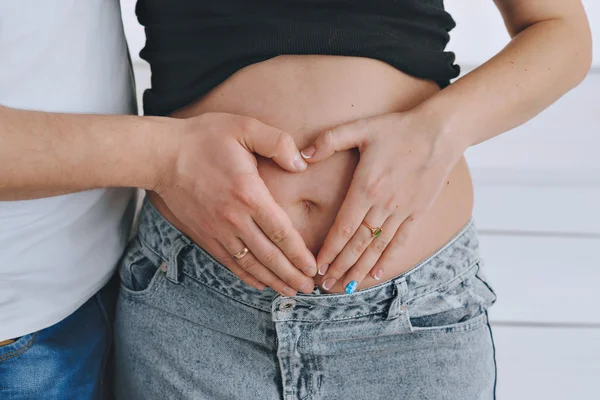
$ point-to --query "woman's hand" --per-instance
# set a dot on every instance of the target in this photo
(211, 184)
(403, 165)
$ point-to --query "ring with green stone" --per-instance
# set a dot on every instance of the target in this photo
(375, 231)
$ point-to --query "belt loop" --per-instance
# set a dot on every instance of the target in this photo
(398, 305)
(173, 270)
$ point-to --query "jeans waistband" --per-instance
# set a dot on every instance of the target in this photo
(451, 262)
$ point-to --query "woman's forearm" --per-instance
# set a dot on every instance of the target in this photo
(541, 63)
(45, 154)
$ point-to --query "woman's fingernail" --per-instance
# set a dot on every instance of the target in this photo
(310, 271)
(288, 291)
(299, 163)
(308, 152)
(378, 274)
(351, 287)
(329, 282)
(323, 269)
(307, 287)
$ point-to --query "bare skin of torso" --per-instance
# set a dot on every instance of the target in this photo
(305, 95)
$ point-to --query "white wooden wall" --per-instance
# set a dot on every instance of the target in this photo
(537, 201)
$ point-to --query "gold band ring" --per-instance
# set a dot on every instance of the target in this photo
(240, 253)
(375, 231)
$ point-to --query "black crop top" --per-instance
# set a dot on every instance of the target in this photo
(194, 45)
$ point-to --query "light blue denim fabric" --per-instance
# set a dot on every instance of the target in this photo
(187, 328)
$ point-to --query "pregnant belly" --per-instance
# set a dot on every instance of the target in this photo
(305, 95)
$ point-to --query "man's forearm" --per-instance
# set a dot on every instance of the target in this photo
(46, 154)
(540, 64)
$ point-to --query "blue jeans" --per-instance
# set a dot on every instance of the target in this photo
(187, 328)
(65, 361)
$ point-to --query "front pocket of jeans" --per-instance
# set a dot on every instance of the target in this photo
(18, 347)
(457, 307)
(139, 275)
(465, 326)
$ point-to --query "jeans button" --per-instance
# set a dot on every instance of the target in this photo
(287, 304)
(163, 267)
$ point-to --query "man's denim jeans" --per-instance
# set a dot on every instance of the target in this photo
(66, 360)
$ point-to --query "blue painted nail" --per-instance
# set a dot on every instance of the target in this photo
(351, 287)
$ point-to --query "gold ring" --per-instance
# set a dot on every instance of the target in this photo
(375, 231)
(241, 253)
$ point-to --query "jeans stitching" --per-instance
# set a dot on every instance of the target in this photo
(494, 357)
(329, 319)
(446, 283)
(210, 287)
(130, 257)
(148, 247)
(139, 294)
(474, 323)
(20, 351)
(439, 251)
(485, 282)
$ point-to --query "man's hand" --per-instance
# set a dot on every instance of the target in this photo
(203, 168)
(211, 184)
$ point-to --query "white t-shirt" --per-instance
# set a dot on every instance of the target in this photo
(55, 253)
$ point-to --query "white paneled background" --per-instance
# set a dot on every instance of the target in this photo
(537, 208)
